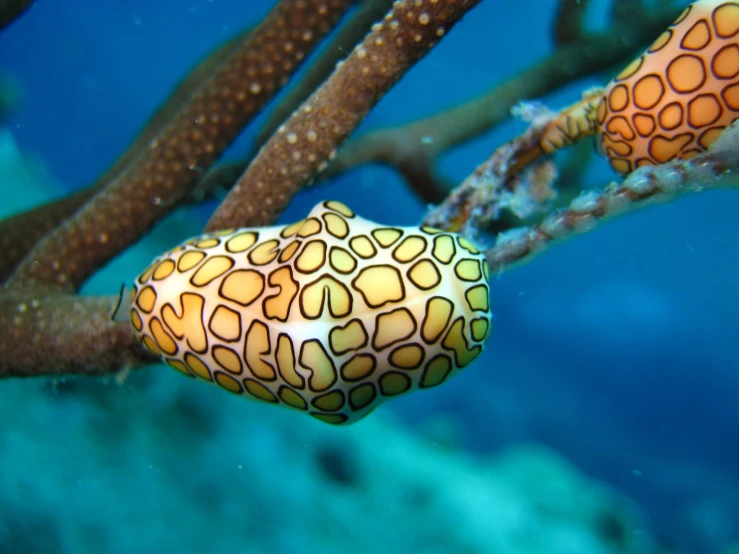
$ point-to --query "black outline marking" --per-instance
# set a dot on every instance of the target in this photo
(169, 362)
(343, 418)
(196, 241)
(118, 304)
(381, 229)
(486, 321)
(217, 373)
(246, 380)
(636, 126)
(694, 99)
(210, 323)
(328, 226)
(218, 348)
(406, 238)
(611, 109)
(408, 345)
(472, 249)
(179, 260)
(713, 20)
(454, 249)
(210, 372)
(135, 312)
(305, 222)
(427, 315)
(138, 299)
(154, 338)
(675, 60)
(415, 265)
(326, 205)
(386, 375)
(634, 95)
(463, 260)
(331, 261)
(683, 15)
(699, 141)
(148, 271)
(221, 274)
(476, 349)
(398, 339)
(340, 328)
(421, 383)
(726, 102)
(330, 393)
(733, 46)
(356, 390)
(487, 295)
(620, 120)
(283, 268)
(669, 140)
(295, 362)
(360, 291)
(280, 258)
(363, 377)
(296, 224)
(180, 317)
(361, 237)
(312, 371)
(282, 398)
(252, 245)
(230, 298)
(685, 36)
(260, 355)
(325, 298)
(651, 50)
(273, 250)
(302, 252)
(636, 69)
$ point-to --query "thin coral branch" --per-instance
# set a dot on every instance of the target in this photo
(478, 201)
(21, 232)
(201, 130)
(569, 19)
(716, 168)
(10, 10)
(350, 33)
(61, 334)
(301, 147)
(420, 143)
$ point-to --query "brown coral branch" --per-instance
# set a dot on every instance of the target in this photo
(346, 37)
(301, 147)
(423, 141)
(21, 232)
(569, 21)
(61, 334)
(716, 168)
(10, 10)
(197, 135)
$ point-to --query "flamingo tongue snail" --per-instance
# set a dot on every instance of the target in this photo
(331, 315)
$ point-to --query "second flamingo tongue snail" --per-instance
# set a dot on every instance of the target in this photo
(671, 102)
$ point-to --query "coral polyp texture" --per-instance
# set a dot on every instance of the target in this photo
(331, 315)
(671, 102)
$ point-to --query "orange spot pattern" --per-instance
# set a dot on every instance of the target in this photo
(331, 315)
(673, 101)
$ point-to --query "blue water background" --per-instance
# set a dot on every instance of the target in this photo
(618, 348)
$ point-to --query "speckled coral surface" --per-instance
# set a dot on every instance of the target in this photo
(136, 200)
(308, 140)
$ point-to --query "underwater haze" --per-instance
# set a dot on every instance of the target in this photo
(602, 416)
